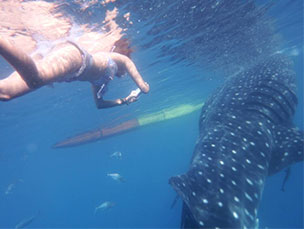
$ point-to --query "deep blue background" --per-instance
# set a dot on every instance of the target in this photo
(64, 186)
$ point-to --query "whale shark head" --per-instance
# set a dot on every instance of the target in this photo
(246, 134)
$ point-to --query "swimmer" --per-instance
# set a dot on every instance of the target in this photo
(104, 206)
(67, 62)
(116, 176)
(117, 155)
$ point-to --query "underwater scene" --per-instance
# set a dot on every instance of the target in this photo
(151, 114)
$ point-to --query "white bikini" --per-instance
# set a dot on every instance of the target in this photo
(87, 62)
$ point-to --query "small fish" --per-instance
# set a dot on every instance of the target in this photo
(25, 222)
(116, 155)
(116, 176)
(9, 189)
(104, 206)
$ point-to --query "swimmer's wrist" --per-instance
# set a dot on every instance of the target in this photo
(122, 101)
(145, 89)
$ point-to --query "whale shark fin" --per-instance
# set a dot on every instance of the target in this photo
(182, 185)
(174, 201)
(195, 206)
(187, 220)
(289, 143)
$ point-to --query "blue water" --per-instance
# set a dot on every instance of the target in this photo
(64, 186)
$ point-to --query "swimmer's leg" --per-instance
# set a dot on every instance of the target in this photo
(63, 59)
(21, 62)
(13, 86)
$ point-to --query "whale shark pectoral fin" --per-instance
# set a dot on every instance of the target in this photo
(289, 149)
(187, 220)
(180, 183)
(174, 201)
(192, 193)
(185, 190)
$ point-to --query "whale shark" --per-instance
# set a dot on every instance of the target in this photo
(245, 135)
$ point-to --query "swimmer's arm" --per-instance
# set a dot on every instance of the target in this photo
(130, 67)
(101, 103)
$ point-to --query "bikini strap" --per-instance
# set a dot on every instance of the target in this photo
(86, 59)
(111, 68)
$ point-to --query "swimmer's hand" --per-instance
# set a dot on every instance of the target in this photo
(127, 100)
(134, 95)
(132, 100)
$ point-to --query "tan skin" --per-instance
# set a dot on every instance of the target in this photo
(64, 58)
